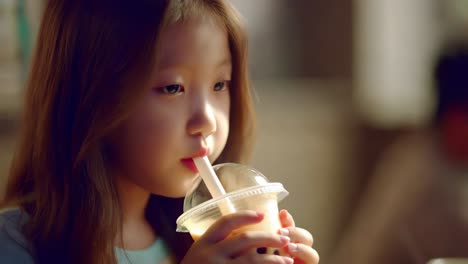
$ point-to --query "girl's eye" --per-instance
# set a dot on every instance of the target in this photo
(171, 89)
(221, 86)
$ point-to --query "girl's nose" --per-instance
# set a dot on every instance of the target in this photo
(202, 121)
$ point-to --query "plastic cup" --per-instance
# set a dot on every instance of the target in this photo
(246, 189)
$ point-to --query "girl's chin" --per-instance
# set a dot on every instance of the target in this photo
(177, 191)
(171, 194)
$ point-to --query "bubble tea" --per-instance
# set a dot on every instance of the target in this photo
(246, 189)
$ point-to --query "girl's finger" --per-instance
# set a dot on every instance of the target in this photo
(298, 235)
(225, 225)
(286, 218)
(263, 259)
(305, 253)
(238, 244)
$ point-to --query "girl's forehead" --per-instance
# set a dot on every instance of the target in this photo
(195, 40)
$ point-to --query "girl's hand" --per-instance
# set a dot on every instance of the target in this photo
(216, 246)
(300, 247)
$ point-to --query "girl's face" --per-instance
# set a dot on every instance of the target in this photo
(184, 113)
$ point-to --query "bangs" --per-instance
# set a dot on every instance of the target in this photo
(179, 11)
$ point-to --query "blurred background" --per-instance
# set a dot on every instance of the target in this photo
(346, 98)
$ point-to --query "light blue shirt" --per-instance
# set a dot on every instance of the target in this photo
(158, 252)
(16, 249)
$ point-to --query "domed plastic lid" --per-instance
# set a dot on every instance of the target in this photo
(238, 180)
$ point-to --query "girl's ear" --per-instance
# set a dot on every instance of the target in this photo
(454, 131)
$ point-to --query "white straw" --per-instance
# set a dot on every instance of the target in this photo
(209, 176)
(212, 183)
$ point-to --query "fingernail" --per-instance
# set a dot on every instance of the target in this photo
(289, 260)
(292, 247)
(285, 239)
(284, 231)
(284, 213)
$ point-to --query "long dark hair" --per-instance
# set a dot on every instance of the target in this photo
(89, 58)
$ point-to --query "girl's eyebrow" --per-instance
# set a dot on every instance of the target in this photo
(165, 65)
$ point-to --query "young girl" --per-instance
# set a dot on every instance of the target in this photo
(122, 95)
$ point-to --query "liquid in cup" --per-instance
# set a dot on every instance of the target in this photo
(247, 189)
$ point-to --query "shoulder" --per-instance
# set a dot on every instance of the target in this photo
(14, 247)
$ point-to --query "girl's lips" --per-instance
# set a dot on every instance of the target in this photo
(203, 152)
(190, 164)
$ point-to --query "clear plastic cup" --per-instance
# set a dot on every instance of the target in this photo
(246, 189)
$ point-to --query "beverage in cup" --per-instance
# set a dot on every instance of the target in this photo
(244, 188)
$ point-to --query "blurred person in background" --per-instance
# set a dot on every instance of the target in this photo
(415, 207)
